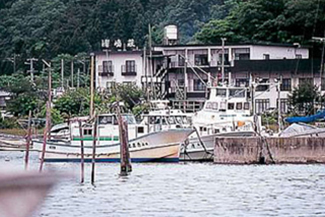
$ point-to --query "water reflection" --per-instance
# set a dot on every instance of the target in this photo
(188, 190)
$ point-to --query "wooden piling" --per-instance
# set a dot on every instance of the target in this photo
(125, 161)
(28, 139)
(82, 161)
(93, 160)
(45, 135)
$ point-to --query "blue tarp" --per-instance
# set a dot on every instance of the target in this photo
(306, 119)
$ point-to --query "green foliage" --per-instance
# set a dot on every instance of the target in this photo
(8, 123)
(130, 94)
(281, 21)
(303, 98)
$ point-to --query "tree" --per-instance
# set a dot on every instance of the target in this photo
(303, 98)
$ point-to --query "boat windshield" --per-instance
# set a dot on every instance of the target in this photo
(170, 120)
(237, 93)
(221, 92)
(129, 118)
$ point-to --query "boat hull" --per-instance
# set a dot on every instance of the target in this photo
(161, 146)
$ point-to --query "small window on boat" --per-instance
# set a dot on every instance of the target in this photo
(221, 92)
(215, 106)
(239, 106)
(105, 120)
(129, 145)
(193, 146)
(246, 105)
(143, 144)
(231, 106)
(88, 132)
(140, 129)
(216, 131)
(208, 105)
(147, 144)
(139, 145)
(222, 106)
(134, 145)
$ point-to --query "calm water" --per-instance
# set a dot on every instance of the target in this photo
(186, 189)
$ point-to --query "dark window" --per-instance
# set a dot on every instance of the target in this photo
(286, 84)
(261, 105)
(263, 85)
(242, 56)
(242, 82)
(198, 85)
(180, 82)
(88, 132)
(266, 56)
(298, 56)
(226, 62)
(107, 66)
(231, 106)
(283, 105)
(130, 66)
(201, 59)
(181, 60)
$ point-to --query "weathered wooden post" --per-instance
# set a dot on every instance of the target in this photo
(45, 135)
(29, 134)
(125, 161)
(82, 160)
(93, 160)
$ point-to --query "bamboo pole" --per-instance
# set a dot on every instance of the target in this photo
(82, 161)
(93, 160)
(92, 85)
(28, 138)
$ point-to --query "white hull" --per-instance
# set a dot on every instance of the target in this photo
(160, 146)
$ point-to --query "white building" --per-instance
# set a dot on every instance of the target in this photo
(180, 72)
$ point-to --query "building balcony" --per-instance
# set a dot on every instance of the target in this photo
(129, 70)
(106, 71)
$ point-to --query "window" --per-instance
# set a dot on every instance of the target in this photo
(181, 60)
(88, 132)
(107, 66)
(221, 92)
(246, 105)
(180, 82)
(266, 56)
(242, 82)
(110, 86)
(264, 86)
(226, 62)
(130, 65)
(105, 120)
(201, 59)
(140, 129)
(286, 84)
(239, 106)
(261, 105)
(198, 85)
(236, 93)
(231, 106)
(298, 56)
(242, 53)
(284, 103)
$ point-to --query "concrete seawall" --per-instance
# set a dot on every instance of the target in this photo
(250, 150)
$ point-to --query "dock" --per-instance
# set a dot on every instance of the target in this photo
(278, 150)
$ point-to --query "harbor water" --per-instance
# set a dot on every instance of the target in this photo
(183, 189)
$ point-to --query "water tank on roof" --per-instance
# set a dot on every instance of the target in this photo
(170, 35)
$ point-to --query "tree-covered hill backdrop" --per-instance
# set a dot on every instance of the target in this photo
(48, 28)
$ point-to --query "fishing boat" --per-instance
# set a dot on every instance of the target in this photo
(227, 113)
(144, 146)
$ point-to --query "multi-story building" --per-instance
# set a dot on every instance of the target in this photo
(181, 73)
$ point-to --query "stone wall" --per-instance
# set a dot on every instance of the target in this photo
(247, 150)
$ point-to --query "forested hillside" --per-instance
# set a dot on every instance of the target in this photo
(48, 28)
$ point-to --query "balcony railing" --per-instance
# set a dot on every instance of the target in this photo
(106, 70)
(129, 70)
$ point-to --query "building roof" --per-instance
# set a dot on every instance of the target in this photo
(275, 65)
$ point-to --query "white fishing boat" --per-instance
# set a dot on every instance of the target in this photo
(227, 113)
(144, 146)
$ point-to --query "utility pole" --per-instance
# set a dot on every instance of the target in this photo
(62, 74)
(78, 82)
(92, 83)
(32, 71)
(72, 73)
(223, 61)
(279, 103)
(151, 65)
(13, 60)
(321, 72)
